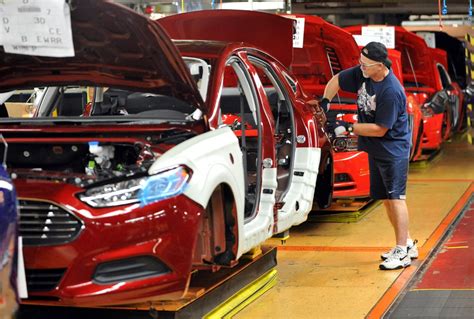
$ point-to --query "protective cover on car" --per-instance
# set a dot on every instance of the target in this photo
(114, 46)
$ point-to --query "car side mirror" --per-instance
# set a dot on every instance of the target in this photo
(469, 93)
(438, 102)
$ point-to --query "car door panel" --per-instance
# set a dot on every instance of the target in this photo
(299, 198)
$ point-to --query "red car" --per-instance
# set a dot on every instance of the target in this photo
(415, 115)
(143, 163)
(455, 102)
(253, 28)
(456, 67)
(425, 76)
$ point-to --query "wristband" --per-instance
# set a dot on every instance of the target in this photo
(324, 104)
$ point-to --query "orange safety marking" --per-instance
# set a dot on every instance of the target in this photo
(443, 289)
(330, 248)
(440, 180)
(392, 293)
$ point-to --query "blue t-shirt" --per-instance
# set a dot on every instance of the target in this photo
(383, 103)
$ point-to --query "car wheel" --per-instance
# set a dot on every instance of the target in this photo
(224, 196)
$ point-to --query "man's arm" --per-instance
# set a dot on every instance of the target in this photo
(369, 129)
(332, 88)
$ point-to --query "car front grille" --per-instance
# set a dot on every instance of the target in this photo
(46, 224)
(43, 279)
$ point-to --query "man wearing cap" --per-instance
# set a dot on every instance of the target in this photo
(383, 133)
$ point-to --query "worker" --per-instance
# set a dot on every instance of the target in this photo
(383, 133)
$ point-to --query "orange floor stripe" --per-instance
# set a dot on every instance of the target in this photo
(332, 248)
(391, 294)
(440, 180)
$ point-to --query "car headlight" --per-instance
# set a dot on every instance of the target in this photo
(144, 190)
(427, 111)
(345, 144)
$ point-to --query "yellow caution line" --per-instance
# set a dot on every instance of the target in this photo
(455, 247)
(244, 297)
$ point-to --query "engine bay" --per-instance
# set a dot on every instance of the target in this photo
(87, 161)
(79, 164)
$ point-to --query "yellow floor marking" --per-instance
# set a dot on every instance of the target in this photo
(244, 297)
(455, 247)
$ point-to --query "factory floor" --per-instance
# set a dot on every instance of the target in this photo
(330, 269)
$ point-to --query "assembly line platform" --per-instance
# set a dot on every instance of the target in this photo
(329, 268)
(211, 295)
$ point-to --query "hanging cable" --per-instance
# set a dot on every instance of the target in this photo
(411, 66)
(439, 15)
(5, 151)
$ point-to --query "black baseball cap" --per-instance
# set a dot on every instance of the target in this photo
(377, 51)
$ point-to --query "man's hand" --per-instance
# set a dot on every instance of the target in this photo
(324, 104)
(342, 128)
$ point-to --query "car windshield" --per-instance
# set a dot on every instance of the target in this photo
(86, 103)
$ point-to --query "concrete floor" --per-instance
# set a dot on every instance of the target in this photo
(330, 270)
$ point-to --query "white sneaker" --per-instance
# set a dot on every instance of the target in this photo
(412, 251)
(399, 259)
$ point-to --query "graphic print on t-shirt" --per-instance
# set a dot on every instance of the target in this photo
(366, 102)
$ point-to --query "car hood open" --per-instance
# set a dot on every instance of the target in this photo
(327, 50)
(256, 28)
(114, 46)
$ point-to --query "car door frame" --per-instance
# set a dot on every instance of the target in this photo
(297, 201)
(255, 230)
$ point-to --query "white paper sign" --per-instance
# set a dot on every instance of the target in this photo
(36, 27)
(298, 32)
(362, 40)
(429, 37)
(384, 34)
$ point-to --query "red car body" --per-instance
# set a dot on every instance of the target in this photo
(253, 28)
(456, 97)
(415, 116)
(426, 79)
(456, 67)
(98, 229)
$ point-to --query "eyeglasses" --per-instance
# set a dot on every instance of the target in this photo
(365, 65)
